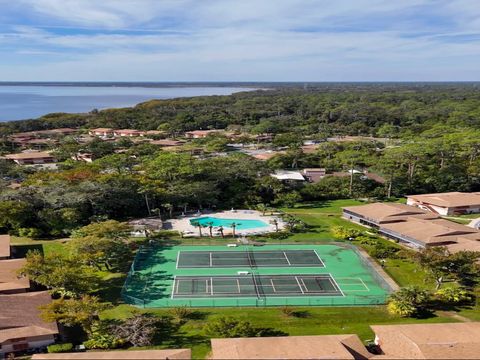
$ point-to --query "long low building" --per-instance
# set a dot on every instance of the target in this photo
(291, 347)
(21, 327)
(413, 226)
(5, 251)
(451, 203)
(163, 354)
(10, 282)
(428, 341)
(430, 232)
(31, 158)
(376, 214)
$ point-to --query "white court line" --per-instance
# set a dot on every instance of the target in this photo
(174, 284)
(338, 286)
(178, 257)
(300, 286)
(211, 286)
(210, 259)
(273, 286)
(286, 258)
(206, 286)
(238, 285)
(350, 284)
(364, 284)
(319, 258)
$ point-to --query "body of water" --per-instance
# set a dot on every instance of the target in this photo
(20, 102)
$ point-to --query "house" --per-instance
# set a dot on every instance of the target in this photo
(21, 327)
(428, 232)
(376, 214)
(128, 133)
(81, 156)
(145, 226)
(261, 154)
(4, 247)
(199, 134)
(314, 174)
(310, 149)
(451, 203)
(414, 227)
(31, 158)
(288, 175)
(120, 355)
(428, 341)
(101, 132)
(167, 142)
(10, 282)
(266, 137)
(290, 347)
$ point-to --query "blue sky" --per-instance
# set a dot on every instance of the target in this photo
(240, 40)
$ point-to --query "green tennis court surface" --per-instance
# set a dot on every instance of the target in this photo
(257, 258)
(254, 285)
(270, 275)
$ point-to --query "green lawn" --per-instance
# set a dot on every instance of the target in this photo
(315, 321)
(22, 245)
(320, 218)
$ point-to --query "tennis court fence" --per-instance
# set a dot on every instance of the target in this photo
(259, 302)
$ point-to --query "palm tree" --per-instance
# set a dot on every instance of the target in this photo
(263, 208)
(275, 223)
(210, 228)
(220, 229)
(197, 224)
(234, 225)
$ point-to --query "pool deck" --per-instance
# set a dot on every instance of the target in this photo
(183, 224)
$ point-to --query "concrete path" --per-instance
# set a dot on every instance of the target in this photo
(454, 315)
(475, 223)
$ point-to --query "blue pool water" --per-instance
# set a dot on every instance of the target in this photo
(242, 224)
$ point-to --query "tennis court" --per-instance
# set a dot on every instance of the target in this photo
(248, 258)
(270, 275)
(254, 285)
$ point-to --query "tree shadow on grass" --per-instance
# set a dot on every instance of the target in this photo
(110, 289)
(20, 251)
(302, 314)
(315, 205)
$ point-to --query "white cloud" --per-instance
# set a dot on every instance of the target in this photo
(242, 40)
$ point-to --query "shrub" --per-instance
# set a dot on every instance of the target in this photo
(180, 313)
(166, 234)
(382, 251)
(454, 295)
(60, 348)
(29, 232)
(408, 301)
(227, 327)
(102, 338)
(287, 311)
(344, 233)
(277, 235)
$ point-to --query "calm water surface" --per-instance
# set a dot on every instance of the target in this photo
(32, 101)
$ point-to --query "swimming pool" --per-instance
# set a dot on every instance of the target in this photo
(242, 224)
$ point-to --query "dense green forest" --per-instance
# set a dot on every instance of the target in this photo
(429, 144)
